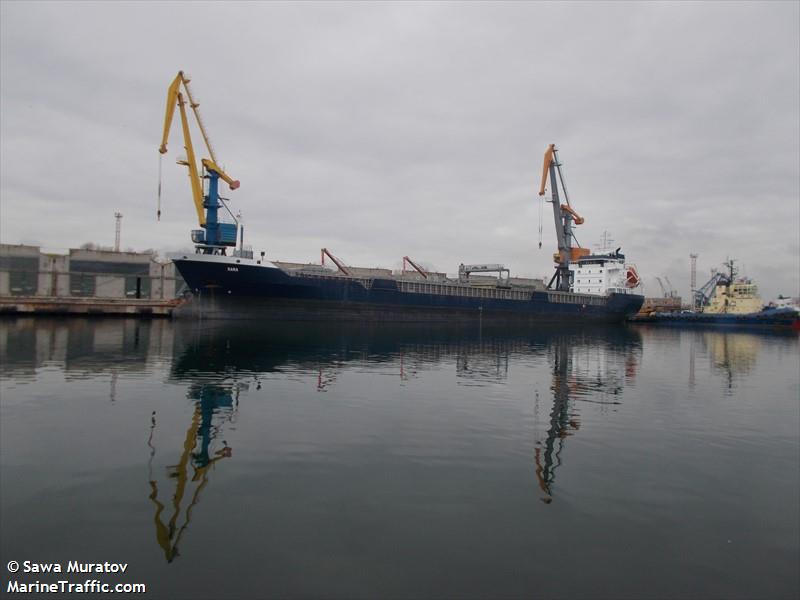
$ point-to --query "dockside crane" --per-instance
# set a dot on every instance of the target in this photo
(672, 291)
(215, 236)
(564, 216)
(661, 285)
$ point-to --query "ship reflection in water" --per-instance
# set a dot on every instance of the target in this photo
(358, 461)
(586, 366)
(733, 354)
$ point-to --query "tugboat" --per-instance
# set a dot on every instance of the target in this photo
(730, 294)
(728, 300)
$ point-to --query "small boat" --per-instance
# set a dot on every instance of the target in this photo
(728, 300)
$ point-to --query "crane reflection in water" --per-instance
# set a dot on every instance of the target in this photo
(214, 405)
(594, 373)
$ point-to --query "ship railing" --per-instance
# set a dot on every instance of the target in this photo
(367, 283)
(243, 253)
(452, 288)
(575, 298)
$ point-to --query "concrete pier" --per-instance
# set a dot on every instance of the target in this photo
(37, 305)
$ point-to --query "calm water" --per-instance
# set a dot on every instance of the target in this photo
(230, 461)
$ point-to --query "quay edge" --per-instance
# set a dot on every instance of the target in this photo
(11, 306)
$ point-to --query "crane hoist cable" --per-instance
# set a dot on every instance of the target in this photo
(541, 211)
(158, 209)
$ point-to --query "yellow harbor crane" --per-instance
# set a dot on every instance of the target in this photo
(215, 235)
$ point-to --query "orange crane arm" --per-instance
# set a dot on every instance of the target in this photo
(578, 219)
(548, 158)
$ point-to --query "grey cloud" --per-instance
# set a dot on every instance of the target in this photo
(416, 128)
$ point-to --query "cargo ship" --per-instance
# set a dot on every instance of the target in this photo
(229, 282)
(239, 287)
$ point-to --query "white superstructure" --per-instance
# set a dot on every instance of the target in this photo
(603, 274)
(785, 302)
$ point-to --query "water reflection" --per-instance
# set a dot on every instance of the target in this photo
(214, 406)
(593, 370)
(586, 365)
(216, 362)
(81, 347)
(481, 355)
(407, 453)
(563, 421)
(732, 354)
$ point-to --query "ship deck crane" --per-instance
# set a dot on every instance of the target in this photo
(337, 261)
(465, 270)
(217, 235)
(564, 216)
(703, 296)
(416, 267)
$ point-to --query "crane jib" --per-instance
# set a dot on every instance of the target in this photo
(215, 236)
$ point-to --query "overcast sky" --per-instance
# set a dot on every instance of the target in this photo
(382, 130)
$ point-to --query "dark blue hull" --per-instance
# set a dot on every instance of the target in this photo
(767, 319)
(228, 290)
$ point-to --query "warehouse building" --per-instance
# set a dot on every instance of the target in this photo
(84, 273)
